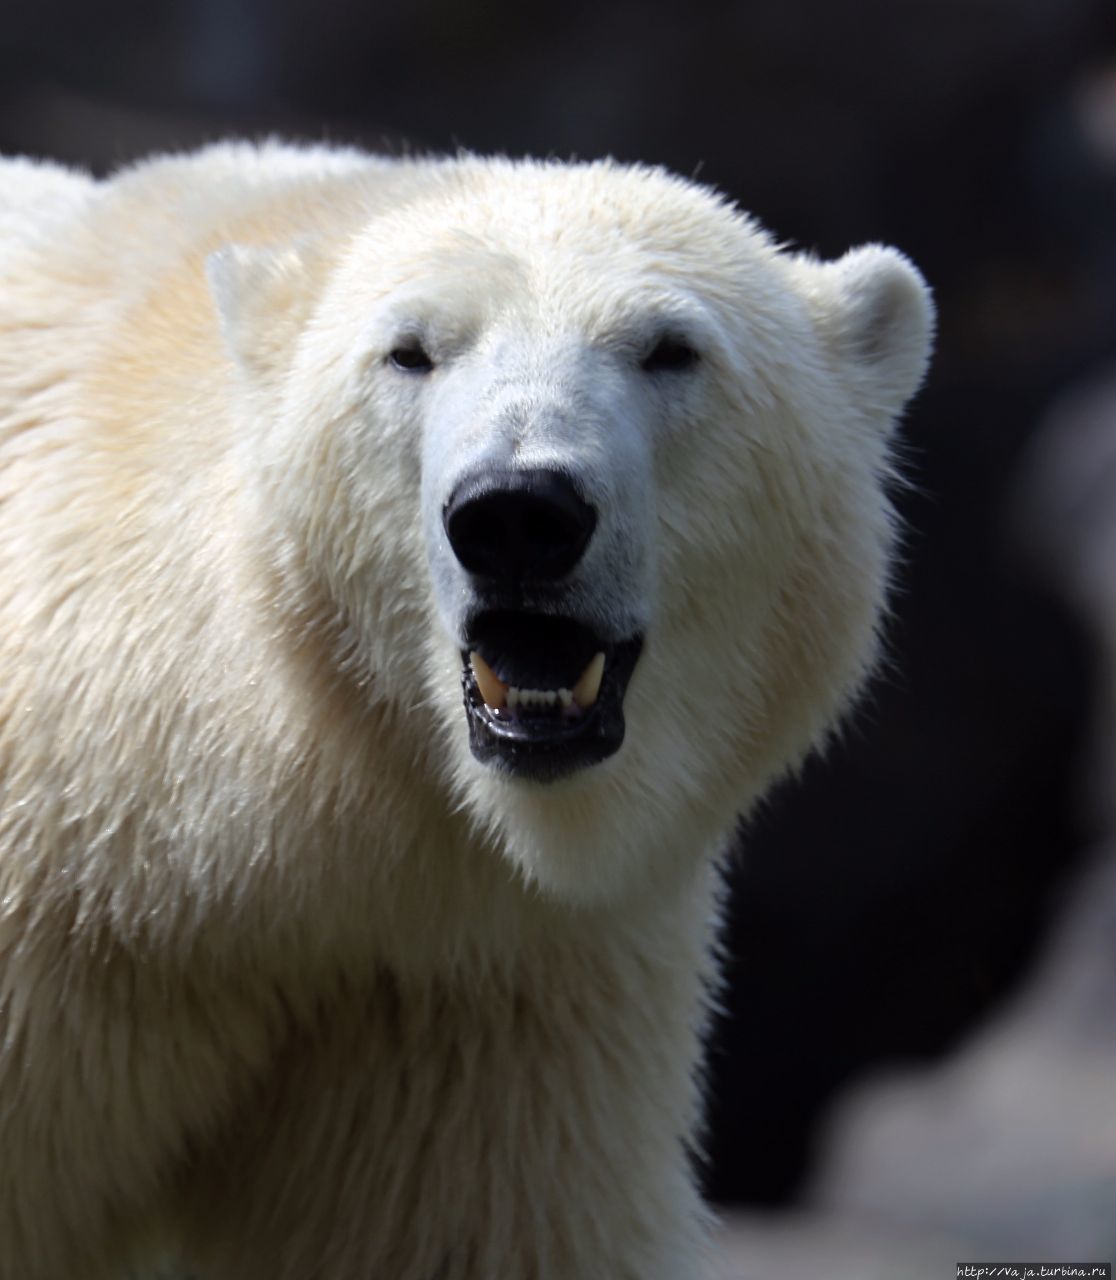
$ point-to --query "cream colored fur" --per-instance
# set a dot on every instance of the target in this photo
(290, 985)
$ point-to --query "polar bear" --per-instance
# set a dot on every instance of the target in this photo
(408, 572)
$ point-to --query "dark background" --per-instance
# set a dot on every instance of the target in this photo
(887, 901)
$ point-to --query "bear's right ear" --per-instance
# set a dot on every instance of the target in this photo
(264, 296)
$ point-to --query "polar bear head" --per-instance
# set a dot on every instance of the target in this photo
(593, 475)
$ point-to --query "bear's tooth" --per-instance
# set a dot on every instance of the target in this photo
(513, 698)
(492, 689)
(589, 683)
(565, 697)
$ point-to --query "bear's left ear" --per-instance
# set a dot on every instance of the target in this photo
(875, 311)
(264, 296)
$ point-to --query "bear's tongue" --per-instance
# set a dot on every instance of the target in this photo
(499, 695)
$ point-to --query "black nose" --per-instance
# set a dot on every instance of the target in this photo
(518, 526)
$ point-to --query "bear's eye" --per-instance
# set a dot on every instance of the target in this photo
(411, 357)
(670, 354)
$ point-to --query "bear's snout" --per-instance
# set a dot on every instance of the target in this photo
(518, 527)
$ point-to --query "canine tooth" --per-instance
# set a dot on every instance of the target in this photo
(589, 683)
(492, 689)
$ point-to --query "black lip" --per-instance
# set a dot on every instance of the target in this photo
(546, 745)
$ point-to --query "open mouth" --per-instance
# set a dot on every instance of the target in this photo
(544, 695)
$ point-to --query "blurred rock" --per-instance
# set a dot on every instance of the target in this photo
(1066, 515)
(802, 1246)
(1012, 1143)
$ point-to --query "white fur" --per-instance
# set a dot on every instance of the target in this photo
(289, 983)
